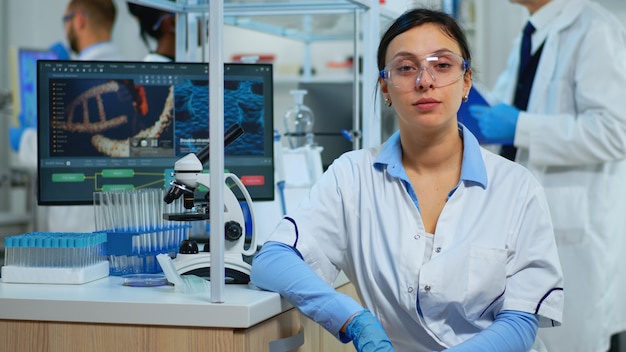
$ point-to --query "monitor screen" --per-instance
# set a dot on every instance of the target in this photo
(24, 88)
(122, 125)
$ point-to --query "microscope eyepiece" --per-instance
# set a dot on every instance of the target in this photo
(230, 135)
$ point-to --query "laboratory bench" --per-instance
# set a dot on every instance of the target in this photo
(105, 315)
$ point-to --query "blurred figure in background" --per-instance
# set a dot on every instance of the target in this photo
(563, 108)
(160, 26)
(88, 28)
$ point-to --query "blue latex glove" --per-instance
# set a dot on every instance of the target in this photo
(60, 51)
(497, 123)
(367, 334)
(15, 135)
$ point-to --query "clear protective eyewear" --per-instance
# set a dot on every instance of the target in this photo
(69, 16)
(162, 18)
(442, 68)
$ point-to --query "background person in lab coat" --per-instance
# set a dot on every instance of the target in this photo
(572, 136)
(88, 27)
(447, 244)
(158, 25)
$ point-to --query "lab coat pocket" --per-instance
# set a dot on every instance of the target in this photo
(569, 211)
(486, 280)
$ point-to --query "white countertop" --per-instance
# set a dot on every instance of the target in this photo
(108, 301)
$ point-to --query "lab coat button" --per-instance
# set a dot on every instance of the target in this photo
(427, 288)
(417, 237)
(410, 289)
(438, 249)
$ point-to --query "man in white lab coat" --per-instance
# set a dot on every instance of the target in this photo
(572, 135)
(88, 27)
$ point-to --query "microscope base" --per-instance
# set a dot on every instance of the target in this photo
(237, 270)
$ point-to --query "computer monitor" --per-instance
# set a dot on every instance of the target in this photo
(24, 89)
(25, 84)
(122, 125)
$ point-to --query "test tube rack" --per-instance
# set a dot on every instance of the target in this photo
(134, 252)
(55, 258)
(136, 231)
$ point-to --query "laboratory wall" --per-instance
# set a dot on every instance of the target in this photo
(38, 24)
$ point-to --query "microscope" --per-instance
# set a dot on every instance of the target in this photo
(188, 175)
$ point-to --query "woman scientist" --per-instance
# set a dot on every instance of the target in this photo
(448, 245)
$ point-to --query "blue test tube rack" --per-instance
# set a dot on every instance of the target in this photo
(134, 252)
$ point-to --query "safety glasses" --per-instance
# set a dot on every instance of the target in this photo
(438, 70)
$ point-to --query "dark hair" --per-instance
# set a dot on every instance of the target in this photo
(148, 18)
(417, 17)
(101, 12)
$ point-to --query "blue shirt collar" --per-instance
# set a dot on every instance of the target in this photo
(473, 169)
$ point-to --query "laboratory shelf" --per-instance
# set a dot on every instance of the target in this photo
(260, 6)
(303, 20)
(357, 22)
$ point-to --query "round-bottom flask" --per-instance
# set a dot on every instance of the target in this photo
(299, 121)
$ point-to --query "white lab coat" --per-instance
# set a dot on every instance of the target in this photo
(154, 57)
(489, 253)
(103, 51)
(573, 138)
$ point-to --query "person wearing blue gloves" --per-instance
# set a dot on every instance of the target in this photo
(568, 126)
(449, 246)
(497, 123)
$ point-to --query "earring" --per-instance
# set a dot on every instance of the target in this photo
(466, 98)
(387, 101)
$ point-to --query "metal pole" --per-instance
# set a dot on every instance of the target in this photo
(371, 123)
(216, 143)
